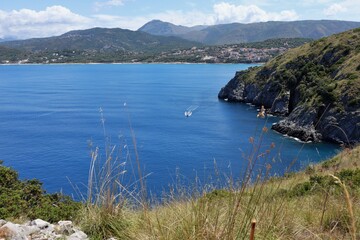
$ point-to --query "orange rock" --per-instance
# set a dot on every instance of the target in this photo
(5, 233)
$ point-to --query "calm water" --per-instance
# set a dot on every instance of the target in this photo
(49, 114)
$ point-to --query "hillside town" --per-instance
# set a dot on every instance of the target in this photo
(221, 54)
(256, 52)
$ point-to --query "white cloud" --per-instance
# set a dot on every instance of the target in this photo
(225, 13)
(334, 9)
(56, 20)
(27, 23)
(222, 13)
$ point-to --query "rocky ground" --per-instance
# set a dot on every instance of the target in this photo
(39, 229)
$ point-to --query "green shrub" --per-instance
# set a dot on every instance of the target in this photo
(354, 102)
(218, 194)
(326, 95)
(330, 163)
(8, 177)
(358, 68)
(352, 76)
(27, 199)
(350, 176)
(316, 183)
(300, 189)
(309, 170)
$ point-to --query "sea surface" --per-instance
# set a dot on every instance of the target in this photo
(53, 116)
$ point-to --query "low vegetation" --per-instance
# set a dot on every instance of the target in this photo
(325, 71)
(25, 199)
(321, 202)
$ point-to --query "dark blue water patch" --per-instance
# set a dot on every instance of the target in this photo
(50, 118)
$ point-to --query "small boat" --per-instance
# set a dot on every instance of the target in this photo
(188, 113)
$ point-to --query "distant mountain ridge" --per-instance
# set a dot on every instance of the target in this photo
(252, 32)
(103, 40)
(6, 39)
(121, 45)
(159, 28)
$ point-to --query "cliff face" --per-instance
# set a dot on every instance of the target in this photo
(316, 87)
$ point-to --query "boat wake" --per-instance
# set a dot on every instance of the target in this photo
(189, 111)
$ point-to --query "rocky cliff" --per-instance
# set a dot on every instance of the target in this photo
(316, 87)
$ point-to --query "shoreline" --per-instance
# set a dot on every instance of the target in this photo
(127, 63)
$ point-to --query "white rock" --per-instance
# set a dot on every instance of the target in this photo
(2, 222)
(42, 236)
(48, 229)
(65, 227)
(40, 223)
(14, 231)
(40, 230)
(30, 229)
(79, 235)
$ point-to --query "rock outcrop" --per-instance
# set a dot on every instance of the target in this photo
(316, 87)
(299, 124)
(39, 229)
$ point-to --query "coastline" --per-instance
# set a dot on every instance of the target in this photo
(315, 86)
(129, 63)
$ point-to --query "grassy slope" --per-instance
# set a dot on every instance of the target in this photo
(305, 205)
(287, 208)
(332, 63)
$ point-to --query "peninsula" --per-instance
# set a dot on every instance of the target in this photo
(315, 86)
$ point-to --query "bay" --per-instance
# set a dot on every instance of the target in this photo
(51, 119)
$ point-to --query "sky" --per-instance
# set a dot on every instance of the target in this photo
(42, 18)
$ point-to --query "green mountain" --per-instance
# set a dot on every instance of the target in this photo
(276, 43)
(103, 40)
(64, 52)
(157, 27)
(11, 55)
(316, 86)
(255, 32)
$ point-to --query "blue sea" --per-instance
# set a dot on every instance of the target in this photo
(53, 116)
